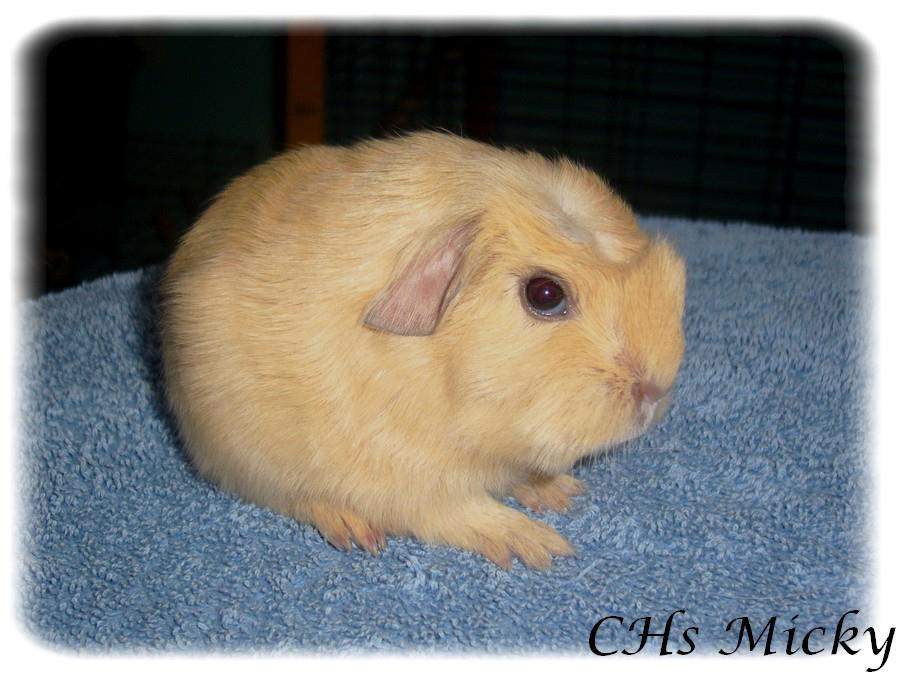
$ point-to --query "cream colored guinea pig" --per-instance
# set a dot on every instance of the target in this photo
(384, 339)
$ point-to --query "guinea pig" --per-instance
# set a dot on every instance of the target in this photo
(388, 338)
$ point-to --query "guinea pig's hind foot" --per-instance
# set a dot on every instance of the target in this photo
(342, 528)
(542, 492)
(497, 532)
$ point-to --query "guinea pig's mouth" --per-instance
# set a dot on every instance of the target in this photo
(649, 414)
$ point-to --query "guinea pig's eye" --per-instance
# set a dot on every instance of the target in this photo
(545, 297)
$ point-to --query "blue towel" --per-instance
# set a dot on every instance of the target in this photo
(749, 499)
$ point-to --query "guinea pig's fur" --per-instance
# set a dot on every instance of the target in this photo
(346, 339)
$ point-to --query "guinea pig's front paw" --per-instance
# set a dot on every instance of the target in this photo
(548, 492)
(497, 532)
(341, 527)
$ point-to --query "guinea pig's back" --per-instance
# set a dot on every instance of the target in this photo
(233, 324)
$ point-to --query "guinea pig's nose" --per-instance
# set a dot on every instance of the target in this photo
(646, 393)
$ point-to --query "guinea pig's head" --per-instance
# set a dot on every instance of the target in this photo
(554, 320)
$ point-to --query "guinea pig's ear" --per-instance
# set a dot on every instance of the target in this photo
(415, 299)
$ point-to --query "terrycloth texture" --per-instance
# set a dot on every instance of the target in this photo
(749, 499)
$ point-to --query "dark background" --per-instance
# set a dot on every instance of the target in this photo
(133, 132)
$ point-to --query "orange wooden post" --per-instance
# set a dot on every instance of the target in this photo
(305, 82)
